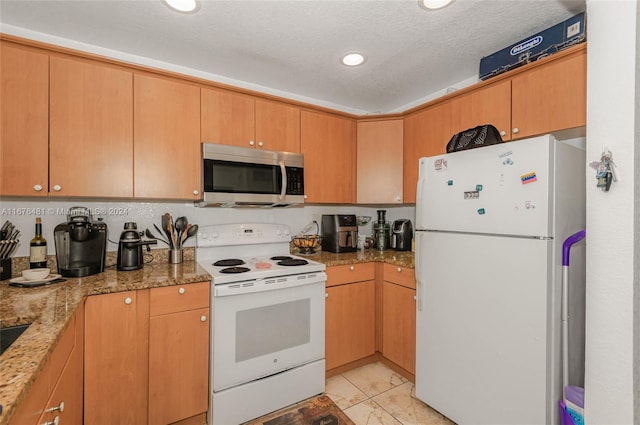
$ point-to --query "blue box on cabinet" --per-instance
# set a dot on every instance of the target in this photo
(530, 49)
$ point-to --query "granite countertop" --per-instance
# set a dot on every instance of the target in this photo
(50, 308)
(400, 258)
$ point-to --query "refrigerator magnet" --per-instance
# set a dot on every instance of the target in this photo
(481, 211)
(528, 178)
(440, 164)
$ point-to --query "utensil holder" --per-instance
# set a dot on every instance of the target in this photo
(175, 256)
(5, 268)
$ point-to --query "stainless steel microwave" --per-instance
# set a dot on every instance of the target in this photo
(247, 177)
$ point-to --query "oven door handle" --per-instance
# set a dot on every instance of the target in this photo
(283, 169)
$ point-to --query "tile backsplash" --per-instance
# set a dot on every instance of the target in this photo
(23, 212)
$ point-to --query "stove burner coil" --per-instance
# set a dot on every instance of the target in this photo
(280, 258)
(293, 262)
(235, 270)
(228, 263)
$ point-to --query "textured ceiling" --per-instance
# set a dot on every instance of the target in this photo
(294, 47)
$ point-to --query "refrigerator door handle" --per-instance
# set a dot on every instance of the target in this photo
(418, 270)
(419, 294)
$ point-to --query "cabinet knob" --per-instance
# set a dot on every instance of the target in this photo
(503, 133)
(57, 187)
(515, 130)
(196, 192)
(55, 421)
(251, 143)
(399, 269)
(398, 198)
(181, 291)
(326, 295)
(203, 318)
(352, 268)
(59, 407)
(260, 144)
(415, 298)
(37, 187)
(128, 300)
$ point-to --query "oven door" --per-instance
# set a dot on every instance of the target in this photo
(261, 330)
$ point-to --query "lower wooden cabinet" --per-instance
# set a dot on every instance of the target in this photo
(147, 355)
(56, 396)
(350, 314)
(399, 316)
(116, 358)
(178, 353)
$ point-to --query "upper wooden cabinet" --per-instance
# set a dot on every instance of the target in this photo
(550, 97)
(24, 122)
(328, 143)
(486, 105)
(379, 162)
(242, 120)
(426, 133)
(91, 129)
(166, 138)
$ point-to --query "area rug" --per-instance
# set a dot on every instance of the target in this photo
(319, 410)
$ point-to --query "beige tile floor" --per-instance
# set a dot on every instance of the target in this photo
(376, 395)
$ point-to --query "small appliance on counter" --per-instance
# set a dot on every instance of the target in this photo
(81, 244)
(381, 231)
(339, 233)
(130, 256)
(402, 235)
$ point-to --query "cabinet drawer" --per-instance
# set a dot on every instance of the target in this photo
(338, 275)
(172, 299)
(404, 276)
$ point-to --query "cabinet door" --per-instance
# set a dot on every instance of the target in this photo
(91, 130)
(24, 122)
(178, 366)
(379, 162)
(550, 97)
(399, 325)
(67, 394)
(350, 323)
(426, 133)
(116, 358)
(166, 138)
(227, 118)
(328, 144)
(277, 126)
(487, 105)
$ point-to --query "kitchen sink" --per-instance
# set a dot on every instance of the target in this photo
(10, 334)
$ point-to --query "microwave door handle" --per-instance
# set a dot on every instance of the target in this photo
(283, 169)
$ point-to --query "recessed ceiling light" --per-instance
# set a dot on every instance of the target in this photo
(434, 4)
(353, 59)
(184, 6)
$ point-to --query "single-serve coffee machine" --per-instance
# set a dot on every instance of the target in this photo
(81, 244)
(339, 233)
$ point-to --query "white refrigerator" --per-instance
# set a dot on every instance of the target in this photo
(490, 223)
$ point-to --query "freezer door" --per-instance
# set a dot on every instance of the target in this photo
(482, 350)
(499, 189)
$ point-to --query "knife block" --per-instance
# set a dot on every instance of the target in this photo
(5, 268)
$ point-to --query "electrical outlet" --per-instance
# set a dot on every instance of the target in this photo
(316, 218)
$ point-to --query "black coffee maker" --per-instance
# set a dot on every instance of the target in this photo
(130, 256)
(81, 244)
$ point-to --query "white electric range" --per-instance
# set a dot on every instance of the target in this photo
(267, 332)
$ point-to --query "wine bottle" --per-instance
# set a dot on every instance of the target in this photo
(38, 248)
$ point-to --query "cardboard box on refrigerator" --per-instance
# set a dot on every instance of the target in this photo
(552, 40)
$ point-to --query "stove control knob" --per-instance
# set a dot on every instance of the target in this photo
(286, 232)
(278, 231)
(214, 234)
(203, 236)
